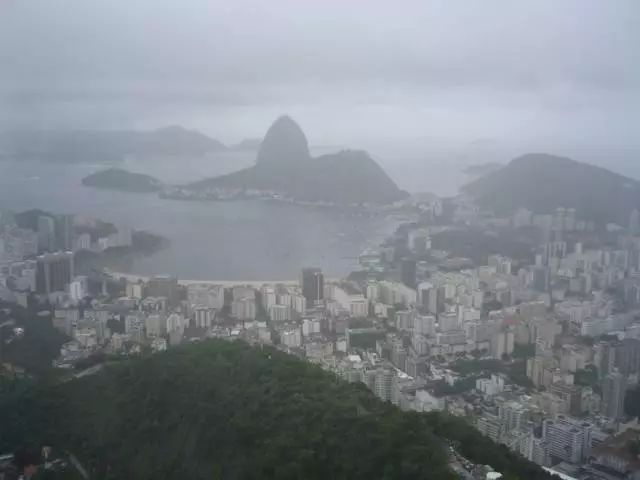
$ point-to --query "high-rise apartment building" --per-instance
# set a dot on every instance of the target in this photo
(203, 316)
(381, 381)
(567, 438)
(614, 388)
(54, 271)
(512, 415)
(164, 286)
(312, 283)
(46, 234)
(64, 232)
(244, 309)
(408, 272)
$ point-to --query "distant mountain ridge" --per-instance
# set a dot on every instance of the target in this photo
(482, 169)
(78, 146)
(542, 182)
(284, 164)
(248, 145)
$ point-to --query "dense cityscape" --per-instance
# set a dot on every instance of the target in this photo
(331, 240)
(542, 357)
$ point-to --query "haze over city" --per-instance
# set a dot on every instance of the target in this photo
(353, 73)
(319, 240)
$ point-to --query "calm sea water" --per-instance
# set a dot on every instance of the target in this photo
(214, 240)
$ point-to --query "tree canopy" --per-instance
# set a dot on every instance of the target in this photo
(227, 410)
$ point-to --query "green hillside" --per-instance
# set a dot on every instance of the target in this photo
(230, 411)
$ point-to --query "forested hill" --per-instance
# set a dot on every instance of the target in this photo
(223, 410)
(542, 183)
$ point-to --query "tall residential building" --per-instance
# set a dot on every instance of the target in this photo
(83, 242)
(567, 438)
(627, 356)
(381, 381)
(570, 393)
(54, 271)
(78, 288)
(163, 286)
(244, 309)
(203, 316)
(535, 370)
(541, 279)
(435, 301)
(203, 294)
(279, 313)
(312, 283)
(64, 232)
(614, 388)
(502, 344)
(424, 325)
(536, 450)
(512, 415)
(490, 426)
(175, 322)
(155, 325)
(243, 291)
(405, 319)
(268, 296)
(634, 222)
(408, 273)
(46, 234)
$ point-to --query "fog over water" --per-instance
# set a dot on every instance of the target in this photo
(427, 87)
(240, 240)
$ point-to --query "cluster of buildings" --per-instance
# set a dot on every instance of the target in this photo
(40, 259)
(540, 355)
(563, 330)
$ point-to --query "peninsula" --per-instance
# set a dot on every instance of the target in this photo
(284, 166)
(541, 183)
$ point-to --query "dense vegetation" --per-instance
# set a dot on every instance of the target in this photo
(477, 245)
(29, 218)
(118, 179)
(228, 410)
(539, 182)
(39, 344)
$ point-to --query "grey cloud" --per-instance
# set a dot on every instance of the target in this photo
(128, 60)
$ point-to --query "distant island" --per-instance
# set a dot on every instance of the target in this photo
(482, 169)
(284, 169)
(87, 146)
(285, 166)
(541, 183)
(122, 180)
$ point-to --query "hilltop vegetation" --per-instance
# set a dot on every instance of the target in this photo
(221, 410)
(118, 179)
(542, 183)
(37, 347)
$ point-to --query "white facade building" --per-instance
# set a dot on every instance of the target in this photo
(279, 313)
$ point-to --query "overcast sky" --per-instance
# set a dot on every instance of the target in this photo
(347, 70)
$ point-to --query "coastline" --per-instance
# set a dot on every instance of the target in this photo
(226, 283)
